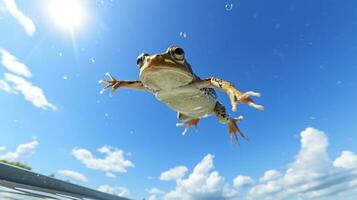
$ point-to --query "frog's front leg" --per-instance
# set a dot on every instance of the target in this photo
(234, 94)
(115, 84)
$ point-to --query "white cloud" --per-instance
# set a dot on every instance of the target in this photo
(31, 93)
(12, 64)
(154, 191)
(152, 197)
(73, 175)
(242, 181)
(22, 153)
(114, 160)
(6, 87)
(110, 175)
(347, 160)
(14, 82)
(118, 191)
(2, 148)
(21, 18)
(312, 174)
(202, 183)
(173, 173)
(270, 175)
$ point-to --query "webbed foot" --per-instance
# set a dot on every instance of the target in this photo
(113, 83)
(188, 124)
(233, 129)
(237, 97)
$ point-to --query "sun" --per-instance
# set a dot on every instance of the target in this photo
(67, 13)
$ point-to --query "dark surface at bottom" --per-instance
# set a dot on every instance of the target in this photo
(35, 185)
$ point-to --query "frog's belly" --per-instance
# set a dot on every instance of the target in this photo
(163, 78)
(189, 101)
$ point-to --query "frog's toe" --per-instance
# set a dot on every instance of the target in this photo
(112, 83)
(256, 106)
(251, 93)
(233, 129)
(110, 76)
(188, 124)
(109, 84)
(245, 98)
(114, 88)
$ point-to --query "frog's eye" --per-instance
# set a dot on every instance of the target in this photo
(177, 53)
(140, 60)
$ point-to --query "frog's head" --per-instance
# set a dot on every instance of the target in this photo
(169, 68)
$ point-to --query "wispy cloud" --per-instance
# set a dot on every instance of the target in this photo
(118, 191)
(110, 175)
(15, 82)
(313, 175)
(31, 93)
(2, 148)
(154, 191)
(20, 17)
(6, 87)
(114, 160)
(73, 175)
(22, 153)
(12, 64)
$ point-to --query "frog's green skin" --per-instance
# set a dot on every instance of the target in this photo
(170, 78)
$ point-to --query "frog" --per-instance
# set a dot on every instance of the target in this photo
(170, 78)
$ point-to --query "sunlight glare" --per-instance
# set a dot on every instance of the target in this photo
(67, 13)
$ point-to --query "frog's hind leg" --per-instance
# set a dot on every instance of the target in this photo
(224, 118)
(236, 97)
(186, 121)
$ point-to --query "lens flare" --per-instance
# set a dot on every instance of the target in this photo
(67, 13)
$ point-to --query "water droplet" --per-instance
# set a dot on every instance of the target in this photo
(183, 34)
(92, 60)
(65, 77)
(277, 26)
(131, 132)
(229, 6)
(60, 54)
(106, 114)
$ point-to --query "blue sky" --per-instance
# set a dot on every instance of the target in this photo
(301, 55)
